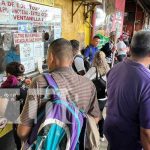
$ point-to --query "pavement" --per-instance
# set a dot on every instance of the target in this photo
(103, 145)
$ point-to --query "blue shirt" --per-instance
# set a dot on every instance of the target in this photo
(90, 52)
(128, 108)
(12, 56)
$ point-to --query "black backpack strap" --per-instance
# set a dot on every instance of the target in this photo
(80, 56)
(91, 51)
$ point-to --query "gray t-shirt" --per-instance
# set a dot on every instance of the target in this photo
(79, 63)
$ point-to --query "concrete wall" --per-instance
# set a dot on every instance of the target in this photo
(76, 30)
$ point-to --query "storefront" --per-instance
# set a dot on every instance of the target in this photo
(29, 27)
(26, 29)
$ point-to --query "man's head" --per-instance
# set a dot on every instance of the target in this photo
(95, 41)
(60, 54)
(140, 45)
(75, 46)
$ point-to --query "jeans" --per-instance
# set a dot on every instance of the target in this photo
(101, 122)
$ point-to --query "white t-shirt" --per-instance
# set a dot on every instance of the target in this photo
(121, 48)
(79, 63)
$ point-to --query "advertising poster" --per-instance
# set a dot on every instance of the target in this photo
(118, 17)
(38, 51)
(20, 38)
(14, 11)
(23, 23)
(27, 56)
(29, 65)
(26, 51)
(114, 19)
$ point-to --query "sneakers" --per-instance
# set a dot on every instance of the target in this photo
(102, 139)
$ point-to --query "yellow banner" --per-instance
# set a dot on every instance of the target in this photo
(43, 2)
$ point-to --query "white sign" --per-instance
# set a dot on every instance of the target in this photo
(26, 51)
(13, 11)
(29, 65)
(27, 56)
(20, 38)
(38, 51)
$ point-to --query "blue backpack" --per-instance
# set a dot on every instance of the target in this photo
(59, 123)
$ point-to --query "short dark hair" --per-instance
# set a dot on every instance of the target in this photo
(140, 45)
(62, 49)
(96, 37)
(75, 46)
(46, 36)
(15, 68)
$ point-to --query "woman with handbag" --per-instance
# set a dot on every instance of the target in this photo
(97, 73)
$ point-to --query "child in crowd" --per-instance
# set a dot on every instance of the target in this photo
(15, 79)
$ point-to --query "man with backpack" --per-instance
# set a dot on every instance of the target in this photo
(68, 84)
(91, 50)
(78, 61)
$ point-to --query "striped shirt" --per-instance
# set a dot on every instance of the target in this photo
(73, 87)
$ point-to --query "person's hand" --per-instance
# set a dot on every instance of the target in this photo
(28, 81)
(114, 48)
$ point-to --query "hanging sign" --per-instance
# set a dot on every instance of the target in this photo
(14, 11)
(20, 38)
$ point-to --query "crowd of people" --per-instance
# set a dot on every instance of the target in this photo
(63, 109)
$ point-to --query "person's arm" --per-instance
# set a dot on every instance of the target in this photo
(3, 106)
(91, 74)
(94, 110)
(23, 132)
(144, 118)
(87, 52)
(29, 112)
(145, 138)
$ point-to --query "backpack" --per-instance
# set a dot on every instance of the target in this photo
(59, 126)
(86, 63)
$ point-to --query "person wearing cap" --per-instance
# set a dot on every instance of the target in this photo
(110, 47)
(13, 55)
(127, 123)
(122, 49)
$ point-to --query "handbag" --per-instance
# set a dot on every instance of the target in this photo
(100, 85)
